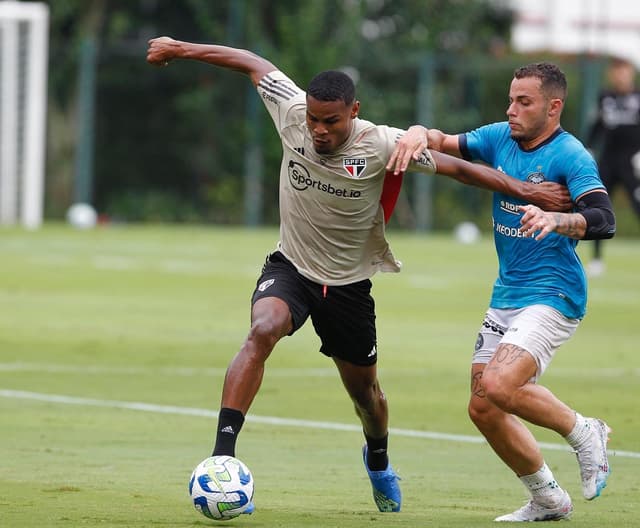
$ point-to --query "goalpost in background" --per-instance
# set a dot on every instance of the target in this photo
(24, 35)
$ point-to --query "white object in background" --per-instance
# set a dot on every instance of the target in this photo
(24, 49)
(82, 216)
(467, 233)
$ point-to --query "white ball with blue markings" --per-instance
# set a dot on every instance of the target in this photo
(221, 487)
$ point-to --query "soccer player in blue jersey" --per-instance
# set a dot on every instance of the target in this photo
(540, 294)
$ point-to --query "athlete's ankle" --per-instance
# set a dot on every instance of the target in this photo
(229, 425)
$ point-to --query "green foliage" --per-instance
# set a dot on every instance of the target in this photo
(150, 206)
(186, 129)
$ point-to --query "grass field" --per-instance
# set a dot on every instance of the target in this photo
(113, 345)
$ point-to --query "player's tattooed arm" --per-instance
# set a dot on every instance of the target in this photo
(537, 223)
(570, 225)
(595, 219)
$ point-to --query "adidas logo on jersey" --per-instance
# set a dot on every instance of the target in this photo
(264, 285)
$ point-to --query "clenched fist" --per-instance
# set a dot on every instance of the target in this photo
(161, 50)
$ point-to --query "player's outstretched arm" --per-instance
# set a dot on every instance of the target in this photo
(163, 50)
(594, 220)
(408, 148)
(549, 196)
(411, 145)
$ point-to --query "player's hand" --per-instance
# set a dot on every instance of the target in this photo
(161, 50)
(409, 146)
(537, 223)
(551, 196)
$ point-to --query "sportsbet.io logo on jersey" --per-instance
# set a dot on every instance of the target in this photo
(301, 180)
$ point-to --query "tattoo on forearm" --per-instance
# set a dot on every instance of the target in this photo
(571, 225)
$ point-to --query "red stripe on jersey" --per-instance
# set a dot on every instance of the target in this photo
(390, 192)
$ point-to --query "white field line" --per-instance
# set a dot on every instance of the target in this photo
(267, 420)
(52, 368)
(612, 372)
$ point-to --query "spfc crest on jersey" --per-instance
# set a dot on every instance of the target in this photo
(354, 166)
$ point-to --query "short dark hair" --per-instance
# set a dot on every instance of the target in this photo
(332, 85)
(552, 81)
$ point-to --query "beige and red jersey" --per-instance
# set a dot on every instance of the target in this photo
(332, 207)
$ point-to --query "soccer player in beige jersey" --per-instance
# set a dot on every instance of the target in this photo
(335, 196)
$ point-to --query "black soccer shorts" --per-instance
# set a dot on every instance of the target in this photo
(617, 168)
(343, 316)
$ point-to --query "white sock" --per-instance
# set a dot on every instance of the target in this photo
(543, 486)
(580, 432)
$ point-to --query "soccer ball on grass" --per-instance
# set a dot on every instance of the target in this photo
(221, 487)
(82, 216)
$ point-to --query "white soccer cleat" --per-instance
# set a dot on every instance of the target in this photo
(532, 511)
(593, 460)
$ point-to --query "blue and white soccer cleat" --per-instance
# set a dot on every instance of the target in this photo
(593, 459)
(386, 491)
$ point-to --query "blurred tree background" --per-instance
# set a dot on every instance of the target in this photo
(192, 142)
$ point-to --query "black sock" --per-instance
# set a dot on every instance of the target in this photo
(229, 424)
(377, 458)
(597, 249)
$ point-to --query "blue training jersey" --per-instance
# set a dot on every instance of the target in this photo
(546, 271)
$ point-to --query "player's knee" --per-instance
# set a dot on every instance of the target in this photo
(474, 411)
(479, 411)
(366, 396)
(265, 333)
(479, 417)
(497, 393)
(484, 415)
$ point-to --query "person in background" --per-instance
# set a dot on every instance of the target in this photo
(615, 136)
